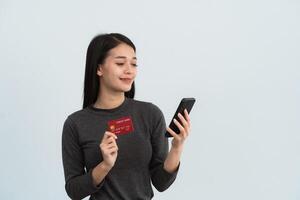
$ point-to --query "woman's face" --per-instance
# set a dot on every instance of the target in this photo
(118, 71)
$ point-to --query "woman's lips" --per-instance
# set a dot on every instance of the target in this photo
(126, 80)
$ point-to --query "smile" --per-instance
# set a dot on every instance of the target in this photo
(126, 80)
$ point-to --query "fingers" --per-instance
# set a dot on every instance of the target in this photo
(108, 134)
(175, 135)
(187, 117)
(109, 140)
(108, 143)
(180, 127)
(184, 121)
(112, 148)
(109, 151)
(108, 148)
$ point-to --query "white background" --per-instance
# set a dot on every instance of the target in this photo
(239, 59)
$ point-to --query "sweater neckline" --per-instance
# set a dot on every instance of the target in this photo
(119, 108)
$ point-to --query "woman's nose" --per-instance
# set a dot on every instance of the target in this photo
(128, 68)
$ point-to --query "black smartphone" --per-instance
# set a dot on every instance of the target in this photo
(185, 103)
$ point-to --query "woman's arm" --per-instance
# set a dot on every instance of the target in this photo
(172, 161)
(99, 173)
(160, 178)
(79, 183)
(109, 150)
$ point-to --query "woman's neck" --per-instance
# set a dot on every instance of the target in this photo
(109, 101)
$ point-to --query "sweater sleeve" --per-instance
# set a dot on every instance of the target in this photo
(161, 179)
(78, 182)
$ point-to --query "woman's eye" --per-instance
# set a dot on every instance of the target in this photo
(121, 64)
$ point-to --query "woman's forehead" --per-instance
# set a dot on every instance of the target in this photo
(122, 51)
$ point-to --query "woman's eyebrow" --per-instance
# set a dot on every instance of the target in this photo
(125, 57)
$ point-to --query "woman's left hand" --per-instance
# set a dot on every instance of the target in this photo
(178, 139)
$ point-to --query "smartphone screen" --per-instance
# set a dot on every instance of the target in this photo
(185, 103)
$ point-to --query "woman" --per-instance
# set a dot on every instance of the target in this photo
(115, 145)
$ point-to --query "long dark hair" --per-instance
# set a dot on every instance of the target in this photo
(96, 54)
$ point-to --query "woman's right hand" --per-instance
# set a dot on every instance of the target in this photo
(109, 149)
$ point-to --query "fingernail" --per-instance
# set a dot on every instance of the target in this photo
(174, 120)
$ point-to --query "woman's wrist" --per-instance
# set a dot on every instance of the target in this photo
(105, 166)
(99, 172)
(177, 148)
(173, 158)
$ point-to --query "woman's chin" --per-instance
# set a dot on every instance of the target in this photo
(125, 88)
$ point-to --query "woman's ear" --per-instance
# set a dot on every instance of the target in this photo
(99, 70)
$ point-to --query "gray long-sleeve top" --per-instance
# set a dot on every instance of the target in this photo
(140, 159)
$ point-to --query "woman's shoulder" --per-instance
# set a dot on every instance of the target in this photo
(77, 114)
(147, 106)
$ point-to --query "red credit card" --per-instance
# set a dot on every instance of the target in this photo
(120, 126)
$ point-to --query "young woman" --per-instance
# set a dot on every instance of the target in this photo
(115, 146)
